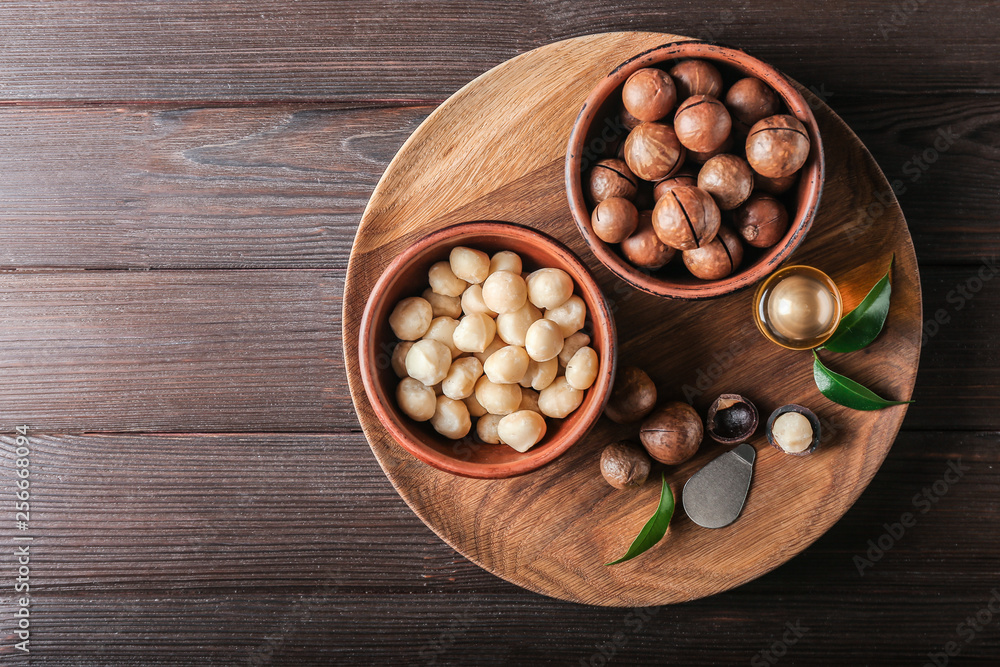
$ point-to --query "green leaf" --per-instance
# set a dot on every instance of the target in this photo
(845, 391)
(862, 325)
(655, 528)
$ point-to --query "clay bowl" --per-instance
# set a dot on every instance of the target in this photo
(407, 276)
(597, 132)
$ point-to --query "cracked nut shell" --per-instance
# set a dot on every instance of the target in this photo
(611, 178)
(777, 146)
(716, 259)
(813, 423)
(614, 219)
(702, 123)
(686, 218)
(673, 433)
(653, 152)
(731, 419)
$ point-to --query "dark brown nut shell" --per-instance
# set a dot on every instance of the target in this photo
(625, 465)
(808, 414)
(777, 146)
(633, 396)
(718, 258)
(702, 123)
(611, 178)
(774, 186)
(628, 120)
(653, 152)
(702, 158)
(681, 178)
(614, 219)
(644, 248)
(686, 218)
(728, 178)
(731, 419)
(762, 221)
(696, 77)
(649, 94)
(750, 100)
(673, 433)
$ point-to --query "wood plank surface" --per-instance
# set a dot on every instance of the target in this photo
(311, 49)
(211, 549)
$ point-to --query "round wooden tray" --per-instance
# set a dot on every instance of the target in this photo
(495, 151)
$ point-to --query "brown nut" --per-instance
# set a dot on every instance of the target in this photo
(731, 419)
(649, 94)
(625, 465)
(686, 218)
(750, 100)
(644, 248)
(696, 77)
(702, 123)
(614, 219)
(611, 178)
(718, 258)
(777, 146)
(702, 158)
(728, 179)
(633, 396)
(762, 221)
(628, 120)
(673, 433)
(682, 177)
(653, 152)
(774, 186)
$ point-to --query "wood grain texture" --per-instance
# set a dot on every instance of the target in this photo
(211, 549)
(550, 531)
(242, 50)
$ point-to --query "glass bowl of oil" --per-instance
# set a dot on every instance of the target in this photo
(798, 307)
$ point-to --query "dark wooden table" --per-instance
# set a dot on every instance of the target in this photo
(180, 184)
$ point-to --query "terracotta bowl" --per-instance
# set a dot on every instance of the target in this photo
(407, 276)
(596, 133)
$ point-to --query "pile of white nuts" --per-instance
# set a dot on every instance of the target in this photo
(490, 342)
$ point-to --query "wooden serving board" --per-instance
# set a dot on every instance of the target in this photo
(495, 151)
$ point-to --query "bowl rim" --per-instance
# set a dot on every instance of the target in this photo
(674, 50)
(398, 430)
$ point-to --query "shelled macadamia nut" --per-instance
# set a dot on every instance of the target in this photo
(686, 218)
(540, 374)
(611, 178)
(475, 408)
(504, 292)
(570, 316)
(411, 318)
(442, 329)
(696, 77)
(472, 266)
(451, 418)
(505, 260)
(571, 345)
(644, 248)
(415, 399)
(581, 371)
(444, 281)
(549, 288)
(498, 399)
(544, 340)
(512, 327)
(486, 428)
(474, 333)
(399, 358)
(490, 349)
(507, 365)
(428, 361)
(529, 400)
(472, 301)
(521, 430)
(559, 399)
(461, 380)
(702, 123)
(441, 305)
